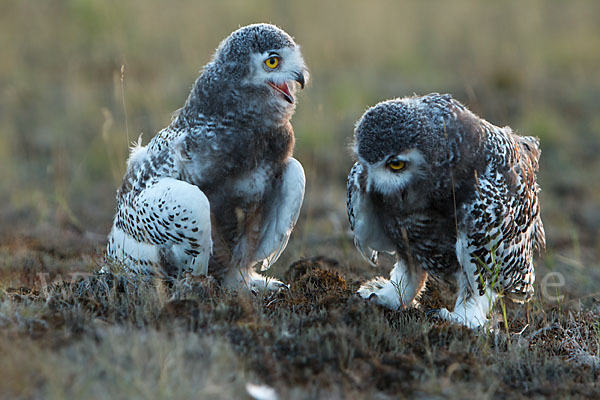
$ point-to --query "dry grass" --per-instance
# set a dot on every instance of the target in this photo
(106, 336)
(63, 142)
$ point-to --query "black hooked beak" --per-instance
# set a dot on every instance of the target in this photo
(299, 77)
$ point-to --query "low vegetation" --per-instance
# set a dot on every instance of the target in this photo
(116, 336)
(79, 80)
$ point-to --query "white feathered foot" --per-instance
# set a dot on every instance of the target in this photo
(400, 291)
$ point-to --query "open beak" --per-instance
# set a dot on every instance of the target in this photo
(285, 90)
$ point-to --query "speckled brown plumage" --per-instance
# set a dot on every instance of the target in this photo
(464, 204)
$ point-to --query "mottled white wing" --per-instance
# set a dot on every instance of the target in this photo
(166, 225)
(499, 233)
(369, 237)
(282, 216)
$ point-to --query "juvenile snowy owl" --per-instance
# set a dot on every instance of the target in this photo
(449, 194)
(218, 191)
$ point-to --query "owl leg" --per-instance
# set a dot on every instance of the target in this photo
(242, 273)
(165, 228)
(400, 291)
(267, 237)
(471, 308)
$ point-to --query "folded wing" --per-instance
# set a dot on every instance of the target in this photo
(369, 237)
(282, 215)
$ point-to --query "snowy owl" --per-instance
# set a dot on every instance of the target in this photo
(450, 195)
(218, 191)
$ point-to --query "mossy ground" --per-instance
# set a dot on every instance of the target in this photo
(107, 336)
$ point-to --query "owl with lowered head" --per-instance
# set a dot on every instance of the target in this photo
(449, 195)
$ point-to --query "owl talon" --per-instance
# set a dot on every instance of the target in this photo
(262, 284)
(380, 291)
(472, 318)
(284, 287)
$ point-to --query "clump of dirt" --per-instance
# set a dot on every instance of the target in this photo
(315, 282)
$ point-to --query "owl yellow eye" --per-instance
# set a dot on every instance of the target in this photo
(272, 62)
(396, 165)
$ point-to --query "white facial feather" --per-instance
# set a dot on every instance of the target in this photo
(381, 179)
(290, 64)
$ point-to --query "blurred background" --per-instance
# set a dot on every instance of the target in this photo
(81, 79)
